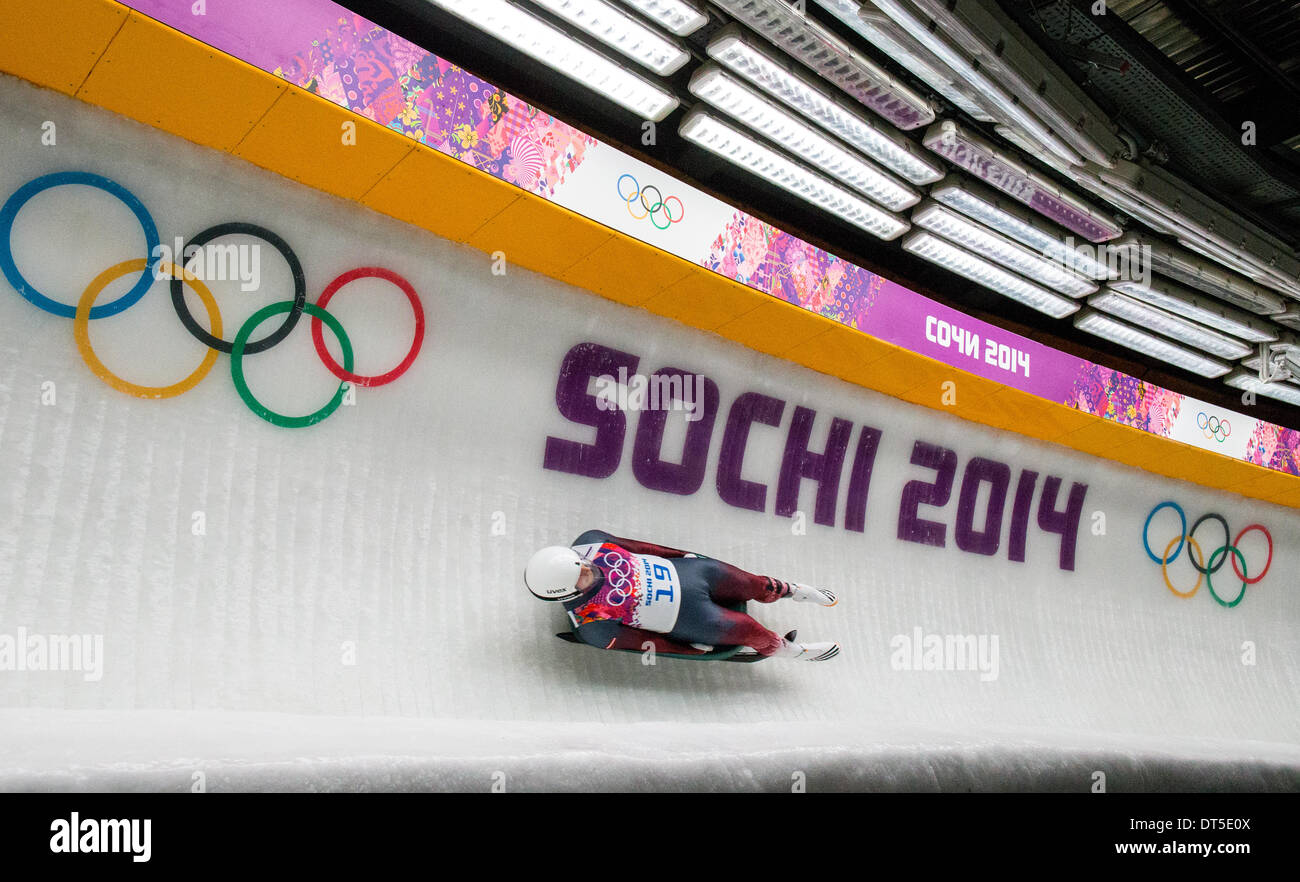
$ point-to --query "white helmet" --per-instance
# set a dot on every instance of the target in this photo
(552, 573)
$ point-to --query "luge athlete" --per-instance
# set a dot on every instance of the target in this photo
(622, 593)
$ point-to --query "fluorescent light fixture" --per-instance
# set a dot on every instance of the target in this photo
(986, 162)
(1087, 176)
(1251, 383)
(535, 38)
(730, 95)
(880, 31)
(1288, 347)
(947, 255)
(1220, 257)
(832, 58)
(963, 231)
(1223, 235)
(621, 32)
(1191, 269)
(675, 16)
(1169, 325)
(1290, 318)
(745, 151)
(1137, 339)
(773, 76)
(1276, 363)
(1009, 218)
(987, 49)
(1025, 143)
(1007, 106)
(1200, 308)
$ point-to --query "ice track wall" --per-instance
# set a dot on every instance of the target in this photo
(370, 564)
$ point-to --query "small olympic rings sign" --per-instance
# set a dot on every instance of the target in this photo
(1206, 569)
(655, 207)
(153, 268)
(1214, 428)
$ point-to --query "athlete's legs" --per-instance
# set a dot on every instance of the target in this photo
(728, 584)
(706, 622)
(741, 629)
(707, 585)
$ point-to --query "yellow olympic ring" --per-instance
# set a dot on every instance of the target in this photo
(1164, 566)
(81, 329)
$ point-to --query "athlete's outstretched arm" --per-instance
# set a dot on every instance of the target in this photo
(633, 545)
(637, 547)
(614, 635)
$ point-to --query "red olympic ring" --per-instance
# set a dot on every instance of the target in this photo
(318, 336)
(1268, 563)
(679, 205)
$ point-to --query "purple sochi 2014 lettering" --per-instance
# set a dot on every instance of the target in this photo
(1020, 515)
(864, 462)
(580, 398)
(986, 540)
(747, 409)
(685, 477)
(1066, 522)
(824, 468)
(582, 364)
(911, 527)
(998, 476)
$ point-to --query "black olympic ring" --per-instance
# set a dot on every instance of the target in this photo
(658, 202)
(1227, 540)
(299, 286)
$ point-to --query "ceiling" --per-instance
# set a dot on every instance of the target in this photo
(1177, 82)
(1196, 71)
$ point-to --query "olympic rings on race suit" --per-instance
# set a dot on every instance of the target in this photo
(1221, 554)
(619, 577)
(151, 268)
(638, 194)
(1214, 428)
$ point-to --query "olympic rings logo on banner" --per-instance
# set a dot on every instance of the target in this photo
(152, 268)
(1214, 428)
(1206, 568)
(649, 209)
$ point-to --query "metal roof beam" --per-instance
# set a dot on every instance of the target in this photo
(1275, 113)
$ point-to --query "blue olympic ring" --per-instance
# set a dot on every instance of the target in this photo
(9, 213)
(1146, 530)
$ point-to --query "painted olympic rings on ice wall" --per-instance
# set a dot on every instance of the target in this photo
(152, 268)
(1206, 568)
(656, 208)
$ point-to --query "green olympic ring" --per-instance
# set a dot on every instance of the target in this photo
(237, 365)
